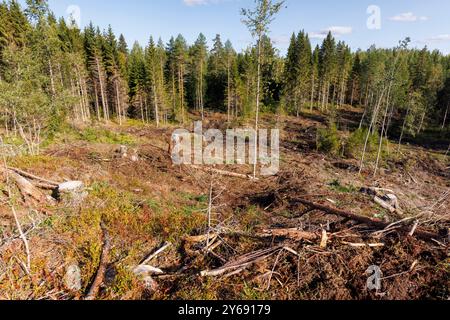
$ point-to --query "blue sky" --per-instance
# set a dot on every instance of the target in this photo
(426, 22)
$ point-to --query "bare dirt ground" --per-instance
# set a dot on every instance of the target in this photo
(143, 204)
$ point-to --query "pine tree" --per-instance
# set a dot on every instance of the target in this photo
(18, 24)
(155, 79)
(344, 61)
(327, 68)
(199, 68)
(291, 72)
(122, 56)
(314, 75)
(137, 82)
(303, 66)
(161, 57)
(180, 56)
(216, 75)
(355, 80)
(230, 55)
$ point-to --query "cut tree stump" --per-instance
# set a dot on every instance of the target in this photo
(71, 193)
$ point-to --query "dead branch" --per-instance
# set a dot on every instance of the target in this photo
(225, 173)
(292, 233)
(364, 245)
(100, 275)
(156, 253)
(242, 262)
(200, 238)
(422, 234)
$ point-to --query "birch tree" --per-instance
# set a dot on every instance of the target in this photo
(257, 21)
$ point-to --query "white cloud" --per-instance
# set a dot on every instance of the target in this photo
(439, 38)
(408, 17)
(281, 40)
(193, 3)
(335, 30)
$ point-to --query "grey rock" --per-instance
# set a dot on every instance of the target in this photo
(73, 278)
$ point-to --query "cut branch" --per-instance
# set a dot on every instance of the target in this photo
(242, 262)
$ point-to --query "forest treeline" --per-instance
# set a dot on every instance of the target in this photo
(50, 72)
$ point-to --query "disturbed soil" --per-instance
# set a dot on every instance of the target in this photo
(145, 203)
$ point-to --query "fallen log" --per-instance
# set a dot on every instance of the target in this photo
(27, 188)
(422, 234)
(100, 275)
(34, 177)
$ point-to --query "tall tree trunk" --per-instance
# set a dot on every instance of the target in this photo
(372, 124)
(102, 89)
(182, 92)
(353, 93)
(258, 92)
(174, 98)
(383, 129)
(228, 90)
(403, 128)
(312, 91)
(141, 105)
(156, 106)
(202, 107)
(97, 105)
(119, 107)
(445, 116)
(422, 121)
(52, 78)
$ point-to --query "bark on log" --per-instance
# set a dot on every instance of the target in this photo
(34, 177)
(26, 188)
(422, 234)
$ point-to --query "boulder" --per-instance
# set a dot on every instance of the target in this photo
(73, 278)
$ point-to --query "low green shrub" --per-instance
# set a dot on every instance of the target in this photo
(354, 145)
(328, 140)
